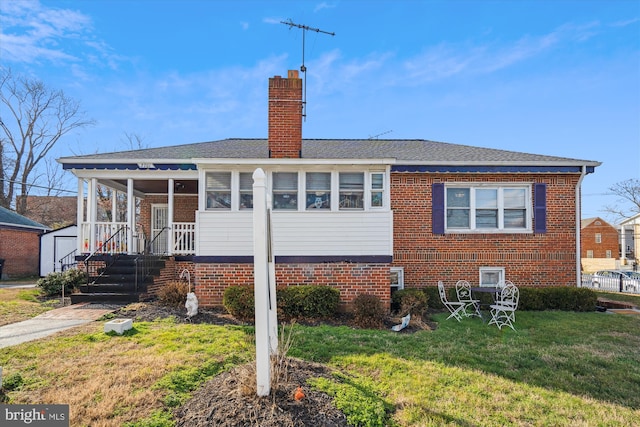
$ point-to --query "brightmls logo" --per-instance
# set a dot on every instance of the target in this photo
(34, 415)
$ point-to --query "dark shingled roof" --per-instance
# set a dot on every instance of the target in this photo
(9, 217)
(409, 151)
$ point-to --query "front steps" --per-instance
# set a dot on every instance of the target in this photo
(119, 283)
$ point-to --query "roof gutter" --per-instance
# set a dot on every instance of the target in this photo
(578, 228)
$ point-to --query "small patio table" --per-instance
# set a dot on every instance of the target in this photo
(486, 290)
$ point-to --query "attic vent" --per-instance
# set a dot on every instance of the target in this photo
(146, 166)
(598, 223)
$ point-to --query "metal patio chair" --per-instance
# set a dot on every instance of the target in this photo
(503, 312)
(456, 308)
(472, 306)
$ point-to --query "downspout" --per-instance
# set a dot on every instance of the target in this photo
(578, 228)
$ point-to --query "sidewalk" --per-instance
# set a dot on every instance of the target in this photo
(51, 322)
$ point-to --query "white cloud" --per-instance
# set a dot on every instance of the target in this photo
(323, 5)
(33, 34)
(244, 25)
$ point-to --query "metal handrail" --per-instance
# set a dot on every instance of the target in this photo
(65, 260)
(143, 271)
(99, 250)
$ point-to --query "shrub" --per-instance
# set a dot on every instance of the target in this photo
(174, 293)
(368, 311)
(240, 302)
(412, 301)
(565, 298)
(12, 382)
(307, 301)
(52, 283)
(433, 297)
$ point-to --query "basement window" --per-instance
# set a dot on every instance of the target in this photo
(491, 276)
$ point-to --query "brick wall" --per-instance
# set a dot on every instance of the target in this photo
(184, 209)
(609, 236)
(21, 251)
(543, 259)
(350, 279)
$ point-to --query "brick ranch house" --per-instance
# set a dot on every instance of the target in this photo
(359, 215)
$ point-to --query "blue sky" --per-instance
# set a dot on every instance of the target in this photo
(549, 77)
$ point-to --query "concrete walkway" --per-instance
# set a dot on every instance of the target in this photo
(52, 321)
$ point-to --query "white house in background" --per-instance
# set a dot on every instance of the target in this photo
(58, 249)
(630, 239)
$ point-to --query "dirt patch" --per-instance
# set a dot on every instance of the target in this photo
(230, 400)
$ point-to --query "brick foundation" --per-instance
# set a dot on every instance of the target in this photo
(351, 279)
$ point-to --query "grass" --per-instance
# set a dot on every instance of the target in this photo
(558, 368)
(616, 296)
(17, 304)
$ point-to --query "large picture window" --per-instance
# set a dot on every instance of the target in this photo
(487, 208)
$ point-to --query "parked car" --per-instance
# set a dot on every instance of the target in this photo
(611, 279)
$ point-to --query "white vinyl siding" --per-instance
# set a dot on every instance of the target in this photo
(314, 233)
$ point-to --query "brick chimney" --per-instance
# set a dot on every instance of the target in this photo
(285, 116)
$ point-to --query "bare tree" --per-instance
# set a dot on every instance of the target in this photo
(33, 118)
(628, 191)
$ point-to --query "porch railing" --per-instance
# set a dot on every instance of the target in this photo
(184, 238)
(103, 237)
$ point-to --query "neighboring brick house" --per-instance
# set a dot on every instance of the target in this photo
(353, 214)
(19, 244)
(52, 211)
(599, 247)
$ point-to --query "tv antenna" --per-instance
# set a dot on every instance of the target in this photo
(380, 134)
(303, 67)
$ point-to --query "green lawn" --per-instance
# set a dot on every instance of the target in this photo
(557, 369)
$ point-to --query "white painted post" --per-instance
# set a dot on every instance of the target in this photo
(273, 304)
(261, 283)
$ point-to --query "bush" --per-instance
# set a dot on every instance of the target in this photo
(240, 302)
(52, 283)
(412, 301)
(433, 297)
(565, 298)
(174, 293)
(368, 311)
(308, 301)
(12, 382)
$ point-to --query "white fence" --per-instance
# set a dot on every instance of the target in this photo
(611, 284)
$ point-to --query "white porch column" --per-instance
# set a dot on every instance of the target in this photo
(92, 212)
(80, 217)
(623, 246)
(131, 216)
(170, 219)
